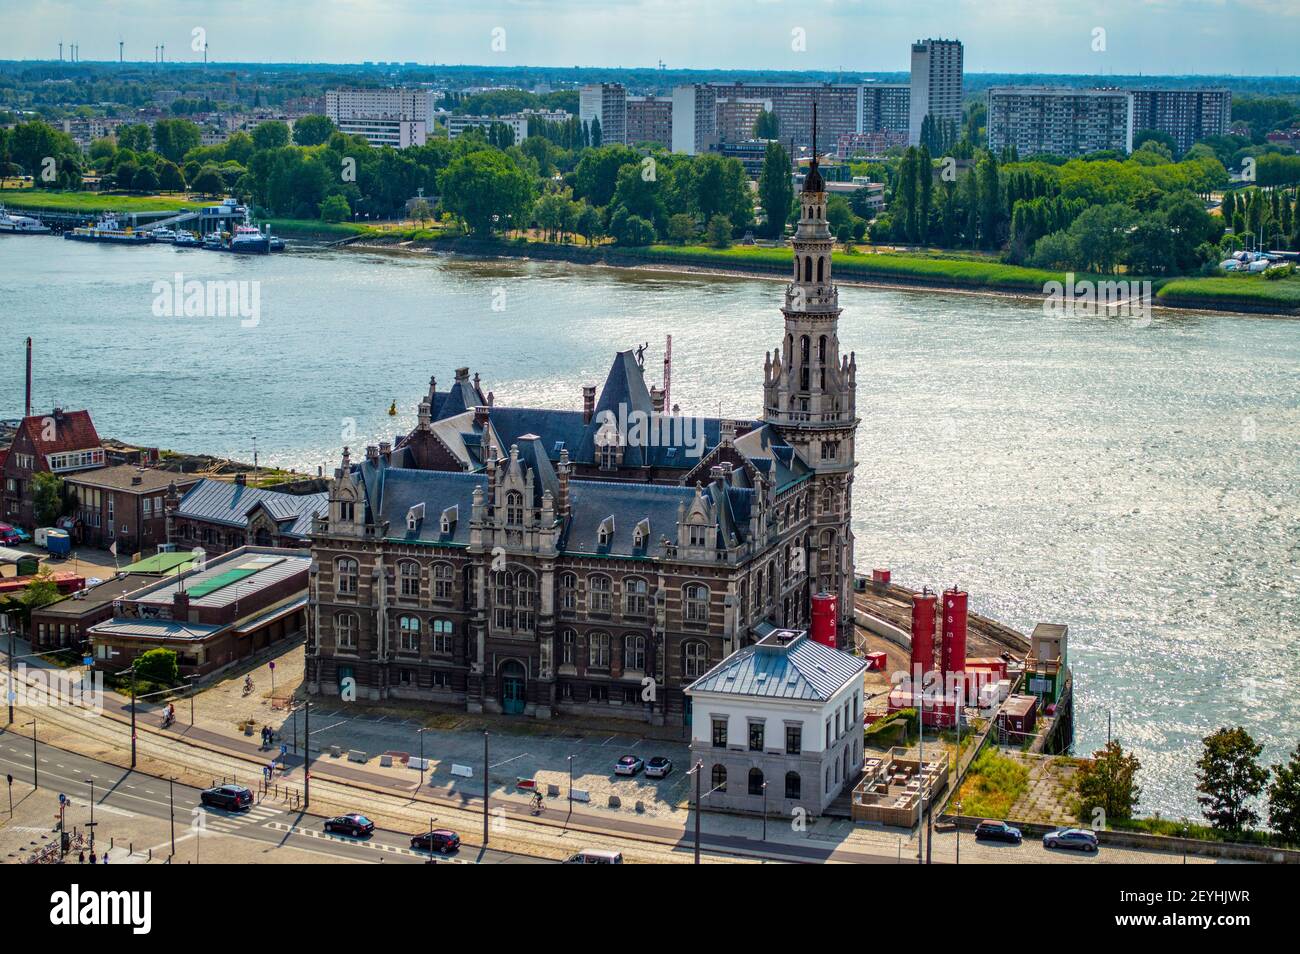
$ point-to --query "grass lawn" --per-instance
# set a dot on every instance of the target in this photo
(317, 227)
(1249, 290)
(96, 201)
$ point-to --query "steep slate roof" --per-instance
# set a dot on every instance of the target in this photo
(401, 489)
(803, 669)
(463, 396)
(219, 501)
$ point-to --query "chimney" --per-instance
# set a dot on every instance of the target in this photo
(425, 415)
(462, 375)
(385, 449)
(136, 480)
(181, 606)
(588, 402)
(482, 414)
(715, 472)
(372, 453)
(656, 399)
(726, 432)
(240, 479)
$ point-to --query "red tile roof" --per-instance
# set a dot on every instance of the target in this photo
(69, 430)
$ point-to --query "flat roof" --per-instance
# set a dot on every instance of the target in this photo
(163, 563)
(231, 577)
(123, 476)
(155, 629)
(97, 596)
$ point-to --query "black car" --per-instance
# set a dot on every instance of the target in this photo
(233, 797)
(990, 830)
(442, 840)
(352, 824)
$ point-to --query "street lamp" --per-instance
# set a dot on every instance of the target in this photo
(487, 790)
(959, 824)
(765, 809)
(36, 779)
(420, 732)
(91, 825)
(566, 821)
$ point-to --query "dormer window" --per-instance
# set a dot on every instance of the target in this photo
(447, 522)
(414, 517)
(608, 457)
(606, 532)
(641, 535)
(698, 535)
(514, 508)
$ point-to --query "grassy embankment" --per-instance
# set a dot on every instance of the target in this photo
(96, 201)
(994, 783)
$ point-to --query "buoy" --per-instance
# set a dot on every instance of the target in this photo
(392, 409)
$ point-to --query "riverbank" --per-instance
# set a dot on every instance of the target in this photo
(1236, 294)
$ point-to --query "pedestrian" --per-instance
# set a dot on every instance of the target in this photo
(81, 857)
(92, 856)
(103, 859)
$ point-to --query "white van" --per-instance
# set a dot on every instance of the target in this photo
(596, 856)
(41, 536)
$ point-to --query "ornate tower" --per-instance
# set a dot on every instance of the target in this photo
(809, 396)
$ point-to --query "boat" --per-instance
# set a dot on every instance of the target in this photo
(163, 234)
(215, 242)
(107, 229)
(11, 224)
(277, 244)
(249, 240)
(186, 239)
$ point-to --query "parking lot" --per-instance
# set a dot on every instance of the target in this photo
(535, 754)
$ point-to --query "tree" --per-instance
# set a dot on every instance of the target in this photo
(588, 222)
(313, 130)
(630, 229)
(595, 132)
(158, 666)
(681, 228)
(136, 136)
(719, 231)
(173, 138)
(767, 125)
(1109, 782)
(209, 181)
(40, 591)
(487, 191)
(776, 189)
(271, 134)
(146, 180)
(1228, 776)
(170, 177)
(421, 211)
(1284, 799)
(335, 208)
(925, 193)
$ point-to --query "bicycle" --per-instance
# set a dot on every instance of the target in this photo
(537, 802)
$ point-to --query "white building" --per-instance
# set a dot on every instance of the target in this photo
(459, 124)
(936, 87)
(386, 117)
(606, 102)
(786, 711)
(1059, 120)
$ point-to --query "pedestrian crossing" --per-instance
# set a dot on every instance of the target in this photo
(372, 845)
(231, 822)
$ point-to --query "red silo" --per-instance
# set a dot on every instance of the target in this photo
(954, 630)
(824, 617)
(922, 633)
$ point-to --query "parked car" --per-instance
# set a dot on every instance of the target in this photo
(1079, 839)
(351, 824)
(442, 840)
(990, 830)
(9, 535)
(658, 767)
(595, 856)
(233, 797)
(628, 765)
(23, 535)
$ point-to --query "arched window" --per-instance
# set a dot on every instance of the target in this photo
(346, 576)
(821, 349)
(408, 579)
(694, 659)
(807, 269)
(793, 785)
(443, 629)
(514, 508)
(345, 631)
(410, 630)
(803, 349)
(442, 577)
(634, 652)
(568, 592)
(695, 603)
(601, 599)
(755, 781)
(636, 600)
(598, 650)
(719, 778)
(514, 600)
(821, 263)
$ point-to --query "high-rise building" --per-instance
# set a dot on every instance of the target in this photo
(606, 102)
(1059, 120)
(385, 117)
(886, 107)
(1188, 115)
(696, 109)
(649, 119)
(936, 87)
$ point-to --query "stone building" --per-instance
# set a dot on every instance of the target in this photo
(217, 516)
(534, 561)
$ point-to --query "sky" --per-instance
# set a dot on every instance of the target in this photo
(1096, 37)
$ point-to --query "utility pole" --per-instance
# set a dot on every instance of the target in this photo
(5, 623)
(487, 789)
(91, 825)
(36, 778)
(698, 770)
(132, 715)
(306, 752)
(171, 810)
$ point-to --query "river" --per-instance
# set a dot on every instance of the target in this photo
(1138, 483)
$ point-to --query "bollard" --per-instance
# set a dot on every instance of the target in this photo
(151, 855)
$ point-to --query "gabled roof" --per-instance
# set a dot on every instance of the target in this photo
(219, 501)
(61, 431)
(437, 490)
(782, 666)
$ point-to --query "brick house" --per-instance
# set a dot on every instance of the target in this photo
(66, 624)
(123, 504)
(61, 442)
(534, 561)
(218, 516)
(212, 615)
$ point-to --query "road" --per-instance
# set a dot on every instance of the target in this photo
(120, 794)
